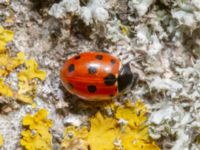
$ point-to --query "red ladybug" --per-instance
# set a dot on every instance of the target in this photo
(96, 76)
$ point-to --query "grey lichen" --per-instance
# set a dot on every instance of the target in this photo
(95, 10)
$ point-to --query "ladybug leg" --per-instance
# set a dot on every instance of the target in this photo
(104, 51)
(140, 58)
(137, 59)
(134, 80)
(101, 50)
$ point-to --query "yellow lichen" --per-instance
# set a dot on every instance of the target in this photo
(101, 136)
(15, 61)
(3, 72)
(26, 82)
(135, 133)
(135, 115)
(5, 37)
(106, 131)
(31, 71)
(27, 87)
(5, 90)
(8, 64)
(24, 98)
(75, 138)
(1, 140)
(3, 59)
(37, 135)
(124, 29)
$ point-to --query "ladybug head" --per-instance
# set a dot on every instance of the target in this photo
(126, 78)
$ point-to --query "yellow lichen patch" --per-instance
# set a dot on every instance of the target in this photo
(75, 138)
(8, 64)
(24, 98)
(124, 29)
(27, 89)
(15, 61)
(26, 83)
(4, 59)
(5, 37)
(5, 90)
(3, 72)
(1, 140)
(135, 115)
(101, 136)
(37, 135)
(137, 138)
(104, 131)
(109, 133)
(32, 71)
(135, 133)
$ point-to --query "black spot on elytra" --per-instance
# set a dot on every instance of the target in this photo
(110, 79)
(92, 70)
(71, 68)
(77, 57)
(111, 95)
(113, 61)
(99, 57)
(92, 88)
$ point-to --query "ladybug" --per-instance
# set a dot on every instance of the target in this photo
(96, 76)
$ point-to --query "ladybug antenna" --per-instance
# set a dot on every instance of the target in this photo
(137, 59)
(70, 53)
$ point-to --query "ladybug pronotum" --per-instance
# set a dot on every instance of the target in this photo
(96, 76)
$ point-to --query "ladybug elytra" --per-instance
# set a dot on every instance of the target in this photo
(96, 76)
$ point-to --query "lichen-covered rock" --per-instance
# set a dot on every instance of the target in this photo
(159, 38)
